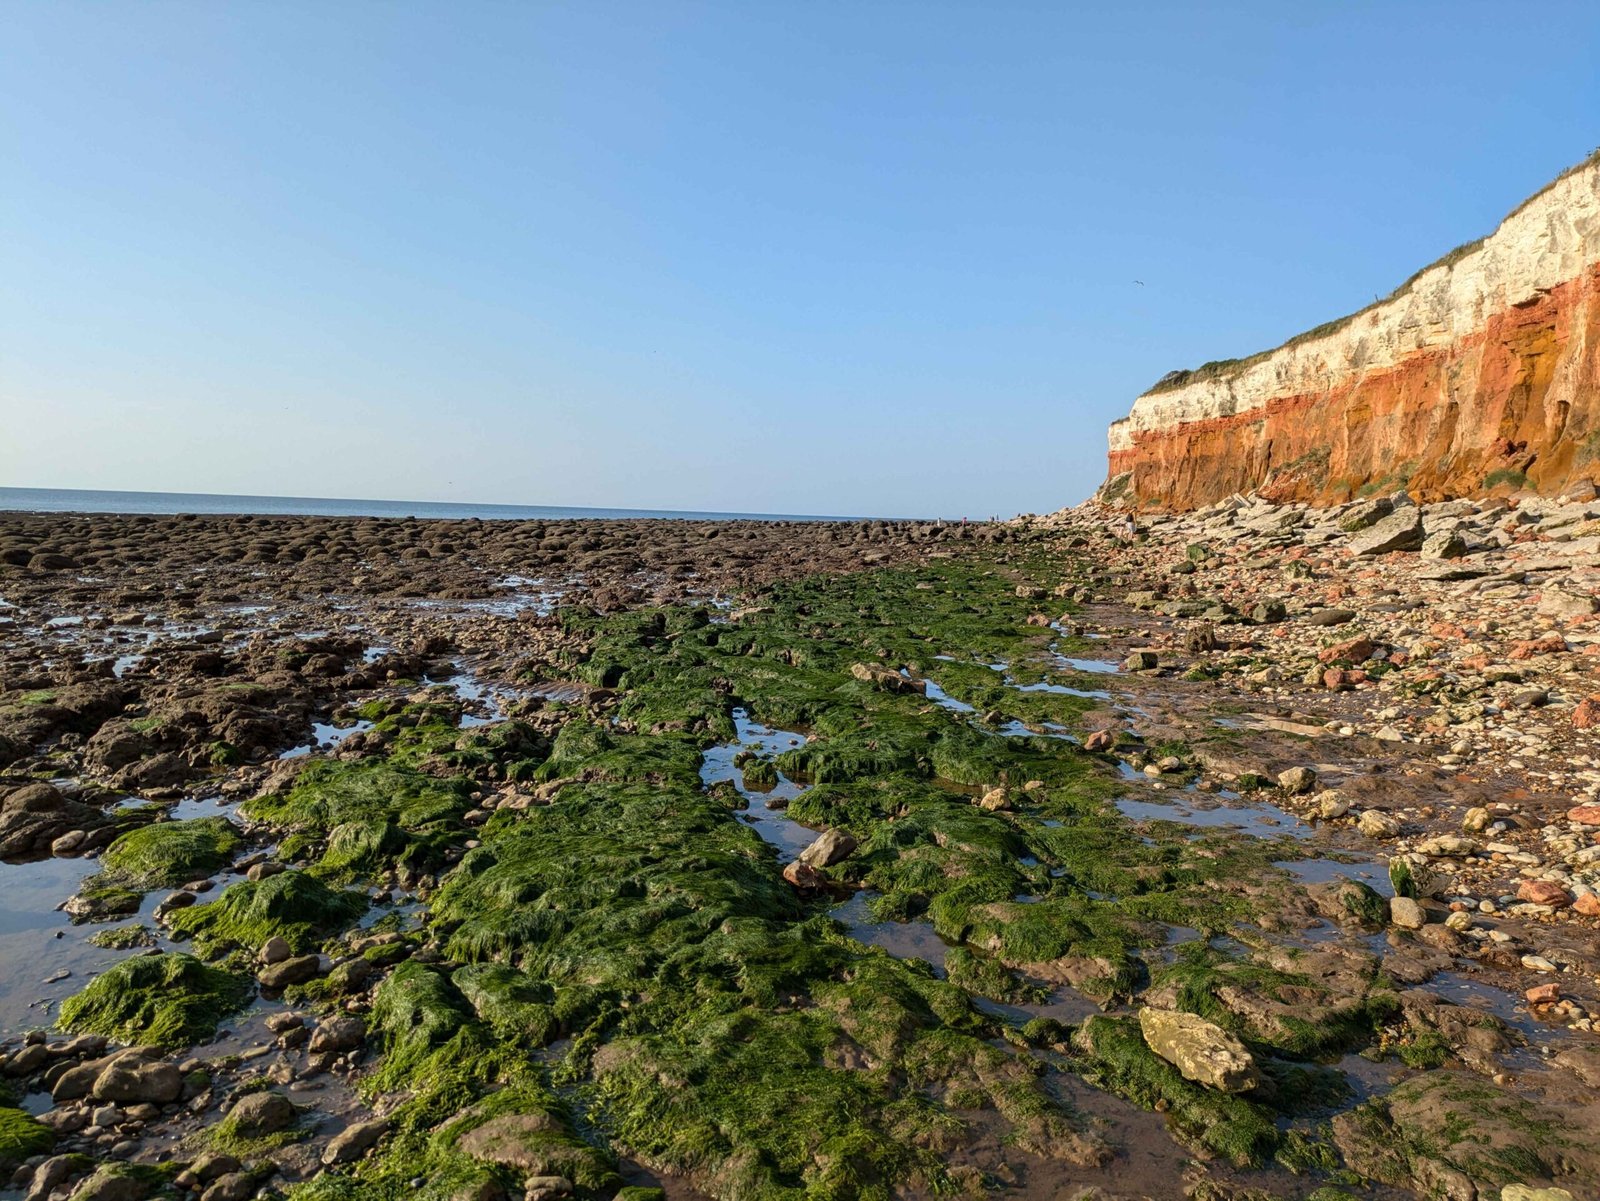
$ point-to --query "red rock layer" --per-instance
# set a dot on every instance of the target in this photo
(1481, 413)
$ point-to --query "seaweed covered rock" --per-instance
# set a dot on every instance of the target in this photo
(1456, 1135)
(166, 1000)
(361, 818)
(21, 1137)
(168, 853)
(293, 906)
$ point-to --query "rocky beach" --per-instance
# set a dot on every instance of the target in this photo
(1250, 852)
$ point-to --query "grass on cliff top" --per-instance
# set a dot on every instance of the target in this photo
(165, 1000)
(1232, 368)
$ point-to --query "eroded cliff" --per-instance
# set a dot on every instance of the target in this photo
(1480, 372)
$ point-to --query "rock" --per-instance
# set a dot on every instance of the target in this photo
(1448, 846)
(1537, 963)
(275, 950)
(1374, 823)
(353, 1142)
(1588, 905)
(344, 1033)
(1200, 1050)
(132, 1080)
(1297, 780)
(1406, 913)
(1527, 1192)
(1543, 892)
(1141, 661)
(546, 1188)
(110, 1183)
(995, 799)
(1585, 815)
(832, 846)
(1331, 617)
(1543, 994)
(1100, 740)
(235, 1186)
(885, 678)
(1401, 530)
(51, 1175)
(1269, 612)
(290, 971)
(1332, 804)
(1364, 514)
(804, 877)
(1555, 602)
(255, 1114)
(1446, 544)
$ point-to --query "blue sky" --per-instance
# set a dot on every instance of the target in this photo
(817, 257)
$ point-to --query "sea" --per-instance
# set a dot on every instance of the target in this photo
(80, 500)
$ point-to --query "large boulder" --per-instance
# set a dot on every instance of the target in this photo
(1202, 1051)
(1401, 530)
(831, 847)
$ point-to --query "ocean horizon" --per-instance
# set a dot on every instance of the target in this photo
(86, 500)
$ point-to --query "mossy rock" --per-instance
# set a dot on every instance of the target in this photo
(21, 1137)
(165, 1000)
(291, 905)
(165, 854)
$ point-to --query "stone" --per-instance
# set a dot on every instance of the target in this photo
(1201, 1051)
(1556, 602)
(1527, 1192)
(1331, 617)
(804, 877)
(1543, 994)
(235, 1186)
(831, 846)
(1374, 823)
(298, 970)
(1297, 780)
(1331, 804)
(994, 799)
(1401, 530)
(344, 1033)
(51, 1175)
(1585, 815)
(1446, 544)
(1364, 514)
(1406, 913)
(1543, 892)
(1141, 661)
(1100, 740)
(1448, 846)
(1588, 905)
(353, 1142)
(255, 1114)
(110, 1183)
(275, 950)
(132, 1080)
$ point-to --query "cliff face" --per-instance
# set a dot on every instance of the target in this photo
(1483, 371)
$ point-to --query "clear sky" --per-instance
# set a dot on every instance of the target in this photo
(819, 257)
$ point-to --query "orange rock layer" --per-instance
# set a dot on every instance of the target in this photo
(1473, 416)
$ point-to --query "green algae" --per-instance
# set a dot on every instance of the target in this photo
(124, 938)
(292, 905)
(714, 1024)
(166, 854)
(21, 1137)
(165, 1000)
(1114, 1055)
(362, 818)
